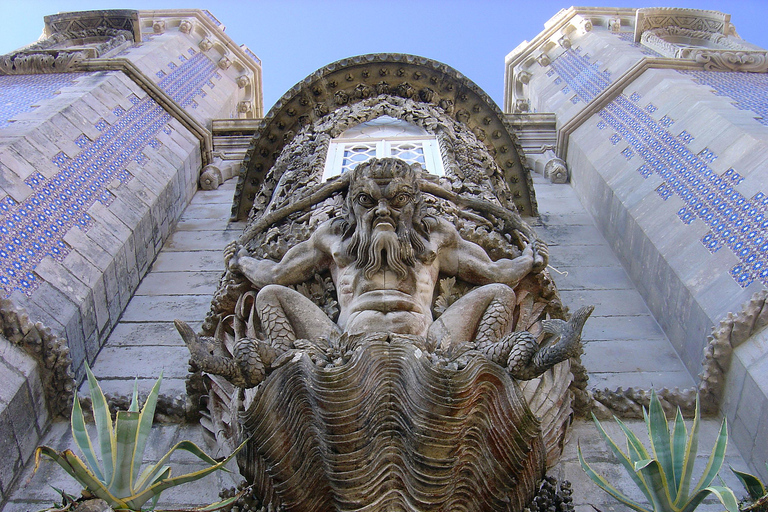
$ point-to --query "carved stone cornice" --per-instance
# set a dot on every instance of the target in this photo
(561, 30)
(355, 79)
(208, 32)
(51, 55)
(114, 19)
(24, 63)
(716, 51)
(692, 19)
(754, 62)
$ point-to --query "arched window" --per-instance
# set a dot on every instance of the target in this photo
(382, 137)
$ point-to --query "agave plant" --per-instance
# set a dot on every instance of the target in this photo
(758, 495)
(116, 477)
(664, 473)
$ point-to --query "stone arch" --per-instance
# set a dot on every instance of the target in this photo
(350, 81)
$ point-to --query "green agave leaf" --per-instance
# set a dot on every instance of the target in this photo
(146, 418)
(187, 446)
(716, 458)
(134, 406)
(163, 474)
(148, 477)
(83, 440)
(691, 450)
(623, 459)
(754, 487)
(103, 420)
(636, 447)
(653, 473)
(679, 442)
(209, 508)
(77, 469)
(607, 487)
(126, 425)
(724, 494)
(658, 433)
(137, 500)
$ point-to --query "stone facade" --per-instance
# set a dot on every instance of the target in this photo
(106, 126)
(660, 123)
(656, 117)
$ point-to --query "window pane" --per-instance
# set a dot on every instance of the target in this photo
(357, 154)
(411, 152)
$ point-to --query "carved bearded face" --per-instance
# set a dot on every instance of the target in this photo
(382, 202)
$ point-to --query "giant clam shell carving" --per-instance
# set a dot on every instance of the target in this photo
(392, 428)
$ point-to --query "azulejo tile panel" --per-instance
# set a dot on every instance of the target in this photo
(748, 90)
(735, 221)
(35, 228)
(21, 93)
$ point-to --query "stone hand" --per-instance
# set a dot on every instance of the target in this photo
(540, 256)
(231, 256)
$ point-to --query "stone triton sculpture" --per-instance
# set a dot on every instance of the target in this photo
(325, 427)
(387, 339)
(385, 258)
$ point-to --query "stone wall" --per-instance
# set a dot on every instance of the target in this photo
(95, 178)
(23, 415)
(668, 153)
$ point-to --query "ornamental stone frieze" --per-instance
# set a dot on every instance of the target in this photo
(716, 51)
(60, 52)
(691, 19)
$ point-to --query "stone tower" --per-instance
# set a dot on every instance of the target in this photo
(104, 131)
(661, 123)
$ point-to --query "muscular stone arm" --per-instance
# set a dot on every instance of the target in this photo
(470, 262)
(297, 265)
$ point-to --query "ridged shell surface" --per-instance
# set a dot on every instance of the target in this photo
(391, 429)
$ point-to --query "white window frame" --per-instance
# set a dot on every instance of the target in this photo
(334, 162)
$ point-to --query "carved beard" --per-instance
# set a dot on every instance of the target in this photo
(395, 250)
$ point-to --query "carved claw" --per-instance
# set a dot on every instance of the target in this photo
(527, 362)
(246, 369)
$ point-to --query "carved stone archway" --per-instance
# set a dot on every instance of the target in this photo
(355, 79)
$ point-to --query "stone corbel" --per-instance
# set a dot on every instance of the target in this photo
(614, 24)
(158, 26)
(586, 25)
(556, 171)
(244, 107)
(243, 81)
(565, 42)
(522, 105)
(224, 63)
(543, 59)
(205, 44)
(523, 77)
(185, 26)
(218, 172)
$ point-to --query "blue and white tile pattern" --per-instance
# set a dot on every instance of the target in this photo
(735, 221)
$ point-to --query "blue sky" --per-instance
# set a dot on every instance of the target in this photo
(293, 38)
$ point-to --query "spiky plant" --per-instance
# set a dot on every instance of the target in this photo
(664, 472)
(115, 476)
